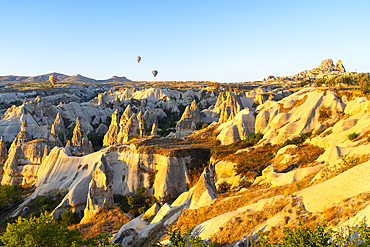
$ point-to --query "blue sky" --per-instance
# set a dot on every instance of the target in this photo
(224, 41)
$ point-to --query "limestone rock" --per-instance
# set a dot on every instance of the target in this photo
(79, 139)
(22, 137)
(152, 211)
(11, 171)
(186, 125)
(150, 118)
(100, 194)
(110, 137)
(161, 213)
(3, 152)
(128, 131)
(238, 128)
(128, 231)
(205, 190)
(230, 107)
(125, 116)
(141, 124)
(102, 129)
(59, 127)
(194, 109)
(53, 137)
(154, 129)
(339, 66)
(101, 99)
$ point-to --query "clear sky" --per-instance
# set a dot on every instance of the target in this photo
(184, 40)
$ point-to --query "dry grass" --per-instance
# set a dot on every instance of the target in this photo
(231, 201)
(107, 220)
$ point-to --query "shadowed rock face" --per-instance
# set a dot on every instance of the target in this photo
(3, 152)
(59, 126)
(129, 131)
(186, 125)
(79, 139)
(229, 106)
(100, 193)
(110, 137)
(194, 109)
(22, 137)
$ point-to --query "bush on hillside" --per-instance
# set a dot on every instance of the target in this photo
(352, 136)
(296, 140)
(39, 231)
(178, 239)
(302, 236)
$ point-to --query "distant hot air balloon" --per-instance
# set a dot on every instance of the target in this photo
(154, 72)
(53, 79)
(138, 58)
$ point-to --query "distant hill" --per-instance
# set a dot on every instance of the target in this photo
(62, 78)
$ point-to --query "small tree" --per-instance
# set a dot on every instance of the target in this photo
(42, 231)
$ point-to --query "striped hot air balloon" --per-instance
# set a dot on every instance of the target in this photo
(155, 73)
(53, 79)
(138, 58)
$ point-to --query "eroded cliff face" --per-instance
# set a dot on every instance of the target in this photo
(164, 176)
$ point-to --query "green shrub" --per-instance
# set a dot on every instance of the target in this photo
(301, 236)
(324, 113)
(131, 201)
(224, 187)
(296, 140)
(178, 239)
(41, 231)
(253, 138)
(348, 162)
(69, 218)
(140, 191)
(352, 136)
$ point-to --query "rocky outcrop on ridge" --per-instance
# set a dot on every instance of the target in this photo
(296, 114)
(100, 192)
(3, 152)
(129, 130)
(324, 70)
(22, 137)
(240, 127)
(110, 137)
(186, 125)
(59, 127)
(79, 139)
(194, 109)
(23, 162)
(205, 190)
(228, 106)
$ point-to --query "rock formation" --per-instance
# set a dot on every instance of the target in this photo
(150, 118)
(102, 129)
(53, 138)
(141, 124)
(111, 136)
(100, 193)
(339, 66)
(154, 129)
(22, 137)
(3, 152)
(194, 109)
(11, 171)
(125, 116)
(230, 107)
(205, 190)
(60, 128)
(79, 139)
(186, 125)
(128, 131)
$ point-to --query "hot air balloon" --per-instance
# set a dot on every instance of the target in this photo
(154, 72)
(52, 79)
(138, 58)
